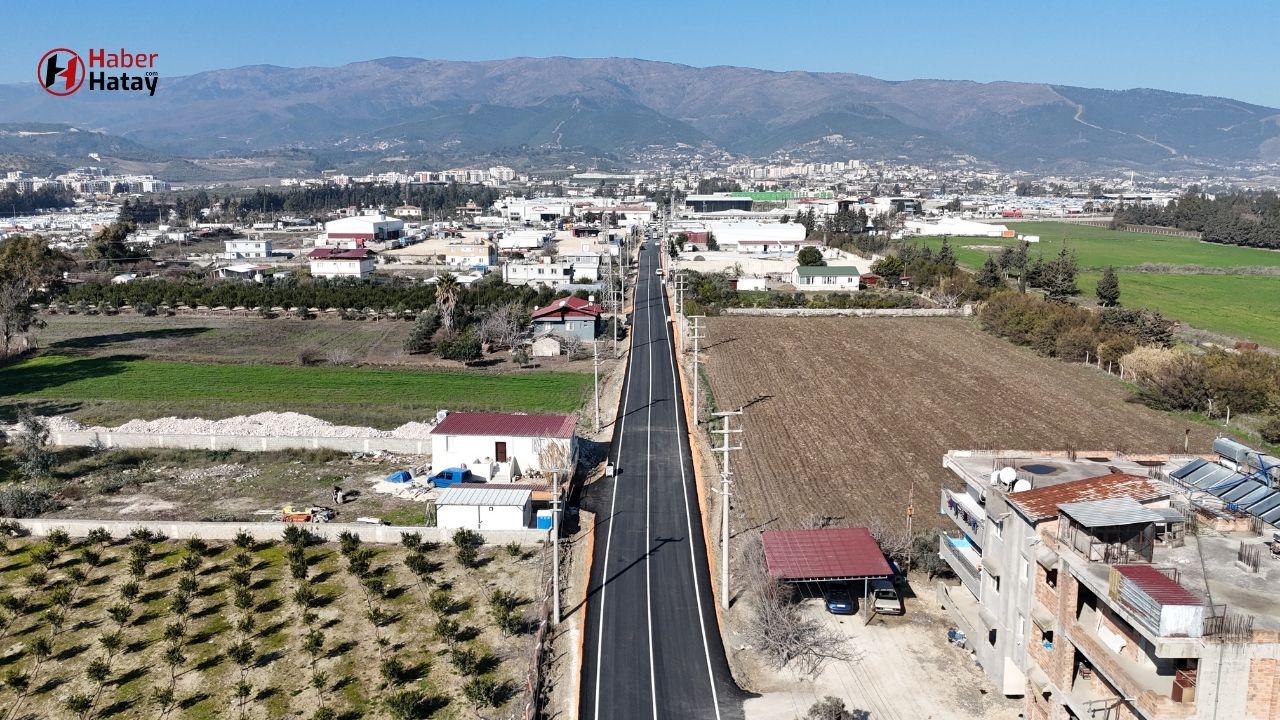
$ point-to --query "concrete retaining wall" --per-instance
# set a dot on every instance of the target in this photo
(181, 530)
(402, 446)
(963, 311)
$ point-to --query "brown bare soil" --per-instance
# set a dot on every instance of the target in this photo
(844, 416)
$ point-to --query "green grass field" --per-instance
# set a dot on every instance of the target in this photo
(1099, 247)
(1242, 306)
(116, 388)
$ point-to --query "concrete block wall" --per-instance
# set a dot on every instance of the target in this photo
(181, 530)
(963, 311)
(401, 446)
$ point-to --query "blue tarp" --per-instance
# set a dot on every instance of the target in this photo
(399, 476)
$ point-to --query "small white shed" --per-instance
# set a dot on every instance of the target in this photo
(484, 508)
(546, 346)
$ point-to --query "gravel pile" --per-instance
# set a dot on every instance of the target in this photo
(265, 424)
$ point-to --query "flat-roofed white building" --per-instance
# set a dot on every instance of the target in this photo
(247, 248)
(335, 263)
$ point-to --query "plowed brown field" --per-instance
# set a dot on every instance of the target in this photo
(843, 414)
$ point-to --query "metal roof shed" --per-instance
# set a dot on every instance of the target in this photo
(484, 508)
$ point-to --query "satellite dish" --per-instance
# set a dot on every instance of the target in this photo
(1020, 486)
(1008, 475)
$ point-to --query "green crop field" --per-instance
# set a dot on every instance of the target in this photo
(1099, 247)
(117, 388)
(1242, 306)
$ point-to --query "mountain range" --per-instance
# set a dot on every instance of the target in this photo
(408, 109)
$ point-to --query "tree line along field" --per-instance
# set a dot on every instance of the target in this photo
(1099, 247)
(109, 389)
(156, 628)
(1242, 305)
(844, 416)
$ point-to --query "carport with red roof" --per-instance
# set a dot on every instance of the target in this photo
(823, 555)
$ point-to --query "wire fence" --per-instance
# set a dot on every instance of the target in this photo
(534, 682)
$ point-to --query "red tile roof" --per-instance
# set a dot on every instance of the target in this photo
(568, 307)
(1157, 585)
(340, 254)
(1042, 503)
(503, 424)
(823, 554)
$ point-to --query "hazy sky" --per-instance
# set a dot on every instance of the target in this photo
(1225, 47)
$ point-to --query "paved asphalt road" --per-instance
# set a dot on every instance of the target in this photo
(652, 648)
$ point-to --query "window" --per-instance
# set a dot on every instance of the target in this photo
(1051, 577)
(1026, 569)
(991, 637)
(1020, 631)
(997, 528)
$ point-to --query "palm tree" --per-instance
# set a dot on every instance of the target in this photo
(447, 291)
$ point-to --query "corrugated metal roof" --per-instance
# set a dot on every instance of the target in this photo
(1042, 503)
(823, 554)
(1109, 512)
(504, 424)
(1157, 585)
(484, 496)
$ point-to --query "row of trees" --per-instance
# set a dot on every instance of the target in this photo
(46, 198)
(1249, 219)
(399, 296)
(267, 203)
(1070, 332)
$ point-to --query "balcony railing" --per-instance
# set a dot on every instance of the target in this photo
(962, 559)
(965, 512)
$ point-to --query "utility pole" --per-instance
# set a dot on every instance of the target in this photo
(595, 353)
(622, 297)
(911, 510)
(725, 432)
(555, 550)
(697, 335)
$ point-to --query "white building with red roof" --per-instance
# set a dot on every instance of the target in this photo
(502, 447)
(571, 316)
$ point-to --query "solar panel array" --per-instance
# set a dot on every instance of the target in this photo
(1251, 493)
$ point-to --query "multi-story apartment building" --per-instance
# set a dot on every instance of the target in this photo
(1108, 588)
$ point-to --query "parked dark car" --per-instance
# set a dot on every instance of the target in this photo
(838, 599)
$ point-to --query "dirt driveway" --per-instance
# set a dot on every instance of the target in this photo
(903, 669)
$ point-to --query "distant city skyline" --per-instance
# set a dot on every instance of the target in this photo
(1225, 49)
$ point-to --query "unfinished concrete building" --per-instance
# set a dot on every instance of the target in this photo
(1115, 588)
